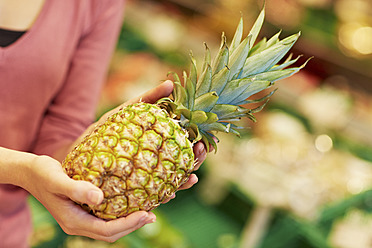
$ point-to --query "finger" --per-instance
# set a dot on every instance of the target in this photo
(211, 148)
(87, 225)
(113, 230)
(169, 198)
(193, 179)
(162, 90)
(76, 190)
(123, 226)
(85, 192)
(200, 154)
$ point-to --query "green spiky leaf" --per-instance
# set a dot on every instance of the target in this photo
(204, 82)
(238, 58)
(218, 97)
(193, 72)
(222, 57)
(207, 101)
(207, 57)
(257, 27)
(237, 36)
(253, 88)
(267, 58)
(220, 80)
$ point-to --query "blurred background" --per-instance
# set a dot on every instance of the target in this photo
(300, 177)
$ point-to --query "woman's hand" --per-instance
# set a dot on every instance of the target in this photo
(47, 182)
(44, 178)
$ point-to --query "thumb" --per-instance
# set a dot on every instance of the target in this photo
(82, 191)
(86, 192)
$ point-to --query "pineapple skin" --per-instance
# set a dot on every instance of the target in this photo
(139, 157)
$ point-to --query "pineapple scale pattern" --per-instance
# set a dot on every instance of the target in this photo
(138, 157)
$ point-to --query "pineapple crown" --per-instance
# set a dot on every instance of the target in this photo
(212, 100)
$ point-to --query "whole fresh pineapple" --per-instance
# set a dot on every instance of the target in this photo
(143, 153)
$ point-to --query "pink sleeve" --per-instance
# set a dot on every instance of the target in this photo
(73, 108)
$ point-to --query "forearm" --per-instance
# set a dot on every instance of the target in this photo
(72, 108)
(62, 151)
(14, 166)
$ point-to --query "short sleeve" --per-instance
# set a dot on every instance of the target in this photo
(73, 108)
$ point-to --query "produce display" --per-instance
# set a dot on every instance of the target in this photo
(143, 153)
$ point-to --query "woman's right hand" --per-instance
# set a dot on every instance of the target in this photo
(56, 191)
(44, 178)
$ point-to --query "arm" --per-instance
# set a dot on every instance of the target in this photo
(73, 108)
(44, 178)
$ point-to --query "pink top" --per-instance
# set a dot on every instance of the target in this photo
(50, 81)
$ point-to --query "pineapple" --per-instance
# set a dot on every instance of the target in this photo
(143, 153)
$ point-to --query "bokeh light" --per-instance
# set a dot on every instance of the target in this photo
(323, 143)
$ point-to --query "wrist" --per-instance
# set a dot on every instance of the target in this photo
(15, 166)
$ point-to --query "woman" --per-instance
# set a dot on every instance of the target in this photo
(53, 59)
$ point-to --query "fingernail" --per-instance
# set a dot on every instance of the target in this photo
(94, 197)
(167, 82)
